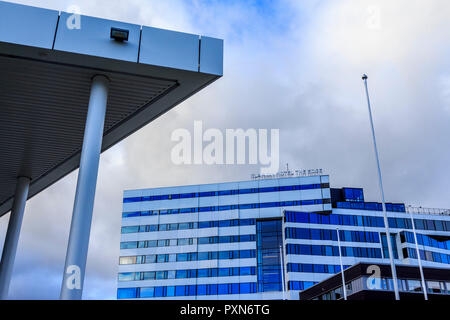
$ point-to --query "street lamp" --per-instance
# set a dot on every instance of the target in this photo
(380, 180)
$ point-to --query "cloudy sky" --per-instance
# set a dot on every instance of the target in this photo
(290, 65)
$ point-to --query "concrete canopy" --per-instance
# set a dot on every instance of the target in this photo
(47, 62)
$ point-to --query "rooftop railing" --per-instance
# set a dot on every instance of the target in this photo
(421, 210)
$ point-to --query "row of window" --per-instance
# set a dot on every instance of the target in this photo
(406, 285)
(186, 241)
(188, 256)
(187, 273)
(225, 192)
(373, 206)
(386, 284)
(187, 290)
(424, 240)
(365, 221)
(314, 268)
(427, 255)
(327, 234)
(321, 250)
(189, 225)
(226, 207)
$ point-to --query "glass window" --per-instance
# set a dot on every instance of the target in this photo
(127, 260)
(414, 285)
(127, 276)
(224, 272)
(159, 291)
(126, 293)
(172, 257)
(131, 214)
(245, 288)
(151, 258)
(128, 245)
(162, 243)
(316, 250)
(151, 243)
(202, 273)
(183, 226)
(148, 275)
(147, 292)
(160, 258)
(180, 290)
(182, 257)
(222, 288)
(181, 274)
(447, 284)
(235, 288)
(203, 256)
(171, 291)
(184, 242)
(224, 254)
(202, 289)
(191, 290)
(419, 224)
(130, 229)
(245, 271)
(435, 287)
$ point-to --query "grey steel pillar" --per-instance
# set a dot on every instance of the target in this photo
(12, 235)
(80, 228)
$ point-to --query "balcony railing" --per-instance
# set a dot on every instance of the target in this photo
(421, 210)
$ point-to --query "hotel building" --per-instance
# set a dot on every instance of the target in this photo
(262, 239)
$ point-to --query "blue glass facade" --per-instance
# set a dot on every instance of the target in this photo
(222, 241)
(353, 194)
(269, 242)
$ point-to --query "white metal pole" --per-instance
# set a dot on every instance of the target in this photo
(12, 234)
(380, 180)
(342, 265)
(80, 228)
(283, 256)
(282, 274)
(419, 260)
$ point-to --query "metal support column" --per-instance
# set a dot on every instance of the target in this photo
(77, 248)
(12, 235)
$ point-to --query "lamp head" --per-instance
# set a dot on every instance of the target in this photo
(119, 34)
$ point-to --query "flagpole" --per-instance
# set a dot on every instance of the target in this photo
(282, 274)
(419, 260)
(342, 266)
(380, 181)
